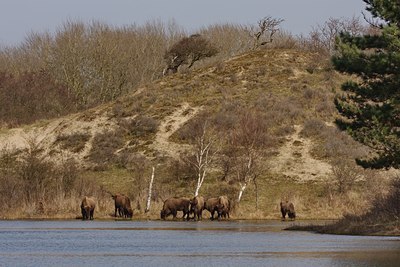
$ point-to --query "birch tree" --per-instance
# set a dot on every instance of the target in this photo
(148, 202)
(248, 141)
(203, 152)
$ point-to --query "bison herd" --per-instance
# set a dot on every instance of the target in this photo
(217, 206)
(220, 205)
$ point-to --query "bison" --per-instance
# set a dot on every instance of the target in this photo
(87, 208)
(211, 205)
(287, 208)
(122, 205)
(175, 204)
(223, 207)
(197, 207)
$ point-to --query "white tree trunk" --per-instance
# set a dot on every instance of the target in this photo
(242, 188)
(200, 180)
(150, 191)
(196, 193)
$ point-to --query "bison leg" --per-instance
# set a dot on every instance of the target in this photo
(212, 215)
(199, 215)
(120, 212)
(283, 215)
(188, 215)
(83, 214)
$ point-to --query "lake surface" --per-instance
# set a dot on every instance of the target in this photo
(177, 243)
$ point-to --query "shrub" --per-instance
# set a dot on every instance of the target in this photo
(74, 142)
(103, 147)
(187, 51)
(140, 126)
(345, 175)
(313, 128)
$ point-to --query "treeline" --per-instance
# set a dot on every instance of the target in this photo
(83, 65)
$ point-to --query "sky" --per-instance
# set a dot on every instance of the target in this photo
(19, 18)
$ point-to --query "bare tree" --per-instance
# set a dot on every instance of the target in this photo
(267, 27)
(322, 37)
(203, 152)
(248, 141)
(345, 175)
(138, 168)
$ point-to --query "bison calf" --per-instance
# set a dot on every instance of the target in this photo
(288, 208)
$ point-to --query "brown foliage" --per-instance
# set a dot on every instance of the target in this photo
(32, 185)
(32, 96)
(74, 142)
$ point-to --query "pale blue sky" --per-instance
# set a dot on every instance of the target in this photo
(20, 17)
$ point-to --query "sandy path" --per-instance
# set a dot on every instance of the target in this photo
(169, 126)
(295, 161)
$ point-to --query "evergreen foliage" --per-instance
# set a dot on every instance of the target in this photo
(370, 107)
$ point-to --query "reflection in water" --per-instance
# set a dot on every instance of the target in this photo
(172, 243)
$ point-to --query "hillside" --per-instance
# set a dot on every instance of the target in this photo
(117, 143)
(274, 74)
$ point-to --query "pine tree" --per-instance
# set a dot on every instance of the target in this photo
(370, 105)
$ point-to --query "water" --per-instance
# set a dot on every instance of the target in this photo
(177, 243)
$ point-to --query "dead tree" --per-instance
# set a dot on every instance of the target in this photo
(267, 27)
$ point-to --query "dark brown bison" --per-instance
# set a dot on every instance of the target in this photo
(122, 206)
(223, 207)
(211, 205)
(173, 205)
(87, 207)
(287, 208)
(197, 207)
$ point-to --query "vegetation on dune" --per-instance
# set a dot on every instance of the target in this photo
(216, 126)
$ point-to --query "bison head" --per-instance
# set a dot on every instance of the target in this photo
(292, 214)
(129, 212)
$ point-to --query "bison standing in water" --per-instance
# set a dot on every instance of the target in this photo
(87, 208)
(223, 207)
(211, 205)
(122, 206)
(287, 208)
(173, 205)
(197, 207)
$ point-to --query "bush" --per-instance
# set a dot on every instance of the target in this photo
(345, 175)
(140, 126)
(74, 142)
(313, 128)
(104, 146)
(187, 51)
